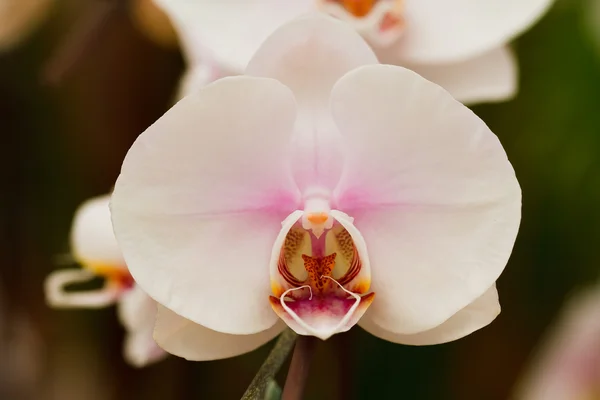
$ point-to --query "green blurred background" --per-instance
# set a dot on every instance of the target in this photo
(65, 142)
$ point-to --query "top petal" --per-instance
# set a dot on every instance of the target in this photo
(430, 189)
(442, 31)
(93, 242)
(228, 31)
(309, 55)
(199, 198)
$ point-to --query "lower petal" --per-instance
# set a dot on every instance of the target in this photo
(57, 296)
(186, 339)
(475, 316)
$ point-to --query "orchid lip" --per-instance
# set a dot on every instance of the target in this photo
(318, 286)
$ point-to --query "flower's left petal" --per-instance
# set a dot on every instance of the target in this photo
(430, 189)
(57, 296)
(309, 55)
(567, 365)
(486, 78)
(228, 31)
(441, 31)
(199, 199)
(184, 338)
(473, 317)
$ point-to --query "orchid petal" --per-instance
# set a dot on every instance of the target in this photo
(473, 317)
(228, 31)
(486, 78)
(438, 205)
(137, 313)
(57, 296)
(309, 55)
(184, 338)
(441, 31)
(93, 242)
(197, 199)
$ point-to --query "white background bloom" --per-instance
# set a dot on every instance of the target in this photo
(461, 45)
(94, 247)
(319, 137)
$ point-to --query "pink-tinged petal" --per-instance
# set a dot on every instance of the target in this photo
(309, 55)
(430, 189)
(229, 31)
(473, 317)
(57, 295)
(486, 78)
(441, 31)
(199, 199)
(137, 313)
(184, 338)
(93, 242)
(567, 365)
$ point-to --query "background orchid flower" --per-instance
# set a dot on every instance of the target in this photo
(18, 18)
(323, 186)
(463, 46)
(567, 366)
(94, 247)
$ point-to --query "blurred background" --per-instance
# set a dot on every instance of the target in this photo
(69, 112)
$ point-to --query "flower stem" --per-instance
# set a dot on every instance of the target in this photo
(299, 367)
(270, 367)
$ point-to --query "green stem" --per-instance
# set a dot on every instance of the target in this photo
(270, 367)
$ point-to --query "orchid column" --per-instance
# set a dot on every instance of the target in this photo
(321, 189)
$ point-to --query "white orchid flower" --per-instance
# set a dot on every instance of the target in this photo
(94, 246)
(567, 365)
(461, 45)
(318, 185)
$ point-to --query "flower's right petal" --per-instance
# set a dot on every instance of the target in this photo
(93, 242)
(184, 338)
(487, 78)
(473, 317)
(200, 197)
(57, 296)
(431, 190)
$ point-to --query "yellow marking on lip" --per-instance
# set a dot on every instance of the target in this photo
(317, 218)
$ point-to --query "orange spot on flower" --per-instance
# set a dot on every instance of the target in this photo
(358, 8)
(317, 218)
(115, 275)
